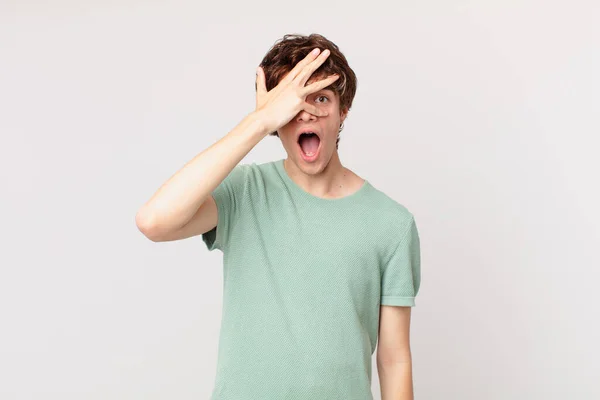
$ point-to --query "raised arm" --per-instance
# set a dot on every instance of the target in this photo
(182, 206)
(182, 198)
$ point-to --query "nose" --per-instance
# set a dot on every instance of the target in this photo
(305, 116)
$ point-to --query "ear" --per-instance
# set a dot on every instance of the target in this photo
(343, 114)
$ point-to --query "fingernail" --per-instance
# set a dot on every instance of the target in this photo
(316, 51)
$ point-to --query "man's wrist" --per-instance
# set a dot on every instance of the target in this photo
(260, 122)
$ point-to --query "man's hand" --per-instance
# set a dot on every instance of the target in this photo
(278, 106)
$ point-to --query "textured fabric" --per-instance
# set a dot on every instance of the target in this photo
(303, 280)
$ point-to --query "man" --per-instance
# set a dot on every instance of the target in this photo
(319, 265)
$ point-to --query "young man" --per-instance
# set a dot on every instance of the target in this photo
(319, 265)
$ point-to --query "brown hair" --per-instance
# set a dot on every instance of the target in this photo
(292, 48)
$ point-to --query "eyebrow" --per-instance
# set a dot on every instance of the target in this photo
(326, 90)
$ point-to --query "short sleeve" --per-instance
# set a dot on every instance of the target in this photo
(401, 276)
(228, 196)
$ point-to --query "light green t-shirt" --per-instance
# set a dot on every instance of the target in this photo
(303, 279)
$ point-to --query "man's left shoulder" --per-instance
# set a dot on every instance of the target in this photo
(390, 208)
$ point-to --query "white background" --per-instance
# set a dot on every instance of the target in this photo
(480, 117)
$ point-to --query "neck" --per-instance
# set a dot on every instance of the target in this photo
(332, 180)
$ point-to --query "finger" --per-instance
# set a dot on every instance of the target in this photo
(301, 64)
(314, 110)
(261, 87)
(307, 71)
(318, 85)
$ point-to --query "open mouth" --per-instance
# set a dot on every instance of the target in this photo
(309, 143)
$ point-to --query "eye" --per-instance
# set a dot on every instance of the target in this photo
(323, 97)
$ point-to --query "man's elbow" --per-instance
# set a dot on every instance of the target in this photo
(393, 358)
(147, 227)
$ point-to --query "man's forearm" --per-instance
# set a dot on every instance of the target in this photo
(178, 199)
(395, 380)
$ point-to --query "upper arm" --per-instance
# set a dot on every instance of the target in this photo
(401, 274)
(394, 334)
(202, 221)
(401, 279)
(216, 216)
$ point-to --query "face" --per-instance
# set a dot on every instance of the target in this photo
(326, 128)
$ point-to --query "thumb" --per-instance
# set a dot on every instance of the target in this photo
(260, 81)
